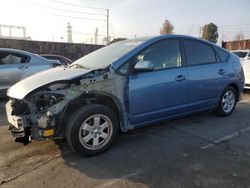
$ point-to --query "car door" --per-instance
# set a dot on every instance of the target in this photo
(206, 75)
(162, 92)
(38, 64)
(12, 67)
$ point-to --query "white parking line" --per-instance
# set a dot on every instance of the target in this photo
(228, 137)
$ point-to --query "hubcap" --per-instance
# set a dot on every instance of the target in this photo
(228, 101)
(95, 132)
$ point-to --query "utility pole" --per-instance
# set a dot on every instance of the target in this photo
(69, 32)
(200, 32)
(107, 26)
(24, 32)
(96, 36)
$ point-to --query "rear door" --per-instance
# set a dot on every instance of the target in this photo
(161, 92)
(206, 74)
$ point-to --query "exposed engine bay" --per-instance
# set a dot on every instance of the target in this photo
(42, 113)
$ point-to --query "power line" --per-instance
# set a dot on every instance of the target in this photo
(81, 33)
(235, 28)
(61, 9)
(60, 2)
(226, 26)
(74, 17)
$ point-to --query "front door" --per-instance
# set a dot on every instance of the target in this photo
(162, 92)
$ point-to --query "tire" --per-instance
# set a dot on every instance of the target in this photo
(227, 102)
(92, 129)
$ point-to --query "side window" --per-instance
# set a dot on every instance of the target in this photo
(123, 70)
(164, 54)
(198, 53)
(8, 58)
(223, 54)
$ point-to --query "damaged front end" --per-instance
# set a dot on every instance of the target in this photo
(41, 113)
(34, 117)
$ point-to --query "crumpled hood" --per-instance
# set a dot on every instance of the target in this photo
(24, 87)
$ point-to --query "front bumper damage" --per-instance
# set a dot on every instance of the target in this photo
(40, 115)
(27, 126)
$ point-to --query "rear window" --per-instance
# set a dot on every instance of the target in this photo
(223, 54)
(198, 53)
(8, 58)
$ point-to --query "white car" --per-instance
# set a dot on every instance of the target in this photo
(244, 56)
(246, 67)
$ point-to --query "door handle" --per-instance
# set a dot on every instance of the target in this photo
(180, 78)
(221, 72)
(22, 68)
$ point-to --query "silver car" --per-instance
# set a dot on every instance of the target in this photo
(17, 64)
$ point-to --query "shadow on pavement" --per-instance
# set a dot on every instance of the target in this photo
(135, 153)
(166, 155)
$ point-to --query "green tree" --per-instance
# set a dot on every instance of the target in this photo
(167, 28)
(210, 32)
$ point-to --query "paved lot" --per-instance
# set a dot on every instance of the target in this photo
(197, 151)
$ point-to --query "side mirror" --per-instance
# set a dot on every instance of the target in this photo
(143, 66)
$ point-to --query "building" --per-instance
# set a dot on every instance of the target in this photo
(236, 45)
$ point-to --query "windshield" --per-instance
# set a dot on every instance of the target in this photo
(105, 56)
(240, 54)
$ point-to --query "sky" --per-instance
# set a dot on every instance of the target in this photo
(47, 20)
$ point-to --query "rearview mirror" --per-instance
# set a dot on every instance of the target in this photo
(143, 66)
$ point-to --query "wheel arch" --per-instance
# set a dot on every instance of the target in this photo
(236, 87)
(102, 98)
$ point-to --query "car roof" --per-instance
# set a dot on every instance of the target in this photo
(12, 50)
(145, 41)
(16, 51)
(159, 37)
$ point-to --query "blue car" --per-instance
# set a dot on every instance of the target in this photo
(125, 85)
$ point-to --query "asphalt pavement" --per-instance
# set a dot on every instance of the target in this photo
(202, 150)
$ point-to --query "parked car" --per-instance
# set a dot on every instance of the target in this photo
(123, 86)
(246, 67)
(244, 55)
(17, 64)
(63, 60)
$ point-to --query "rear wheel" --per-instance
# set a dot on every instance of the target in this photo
(227, 102)
(92, 129)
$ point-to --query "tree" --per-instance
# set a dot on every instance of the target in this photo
(239, 36)
(210, 32)
(167, 28)
(116, 40)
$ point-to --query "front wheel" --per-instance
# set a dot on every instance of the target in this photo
(227, 102)
(92, 129)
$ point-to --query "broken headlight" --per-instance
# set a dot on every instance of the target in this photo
(44, 101)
